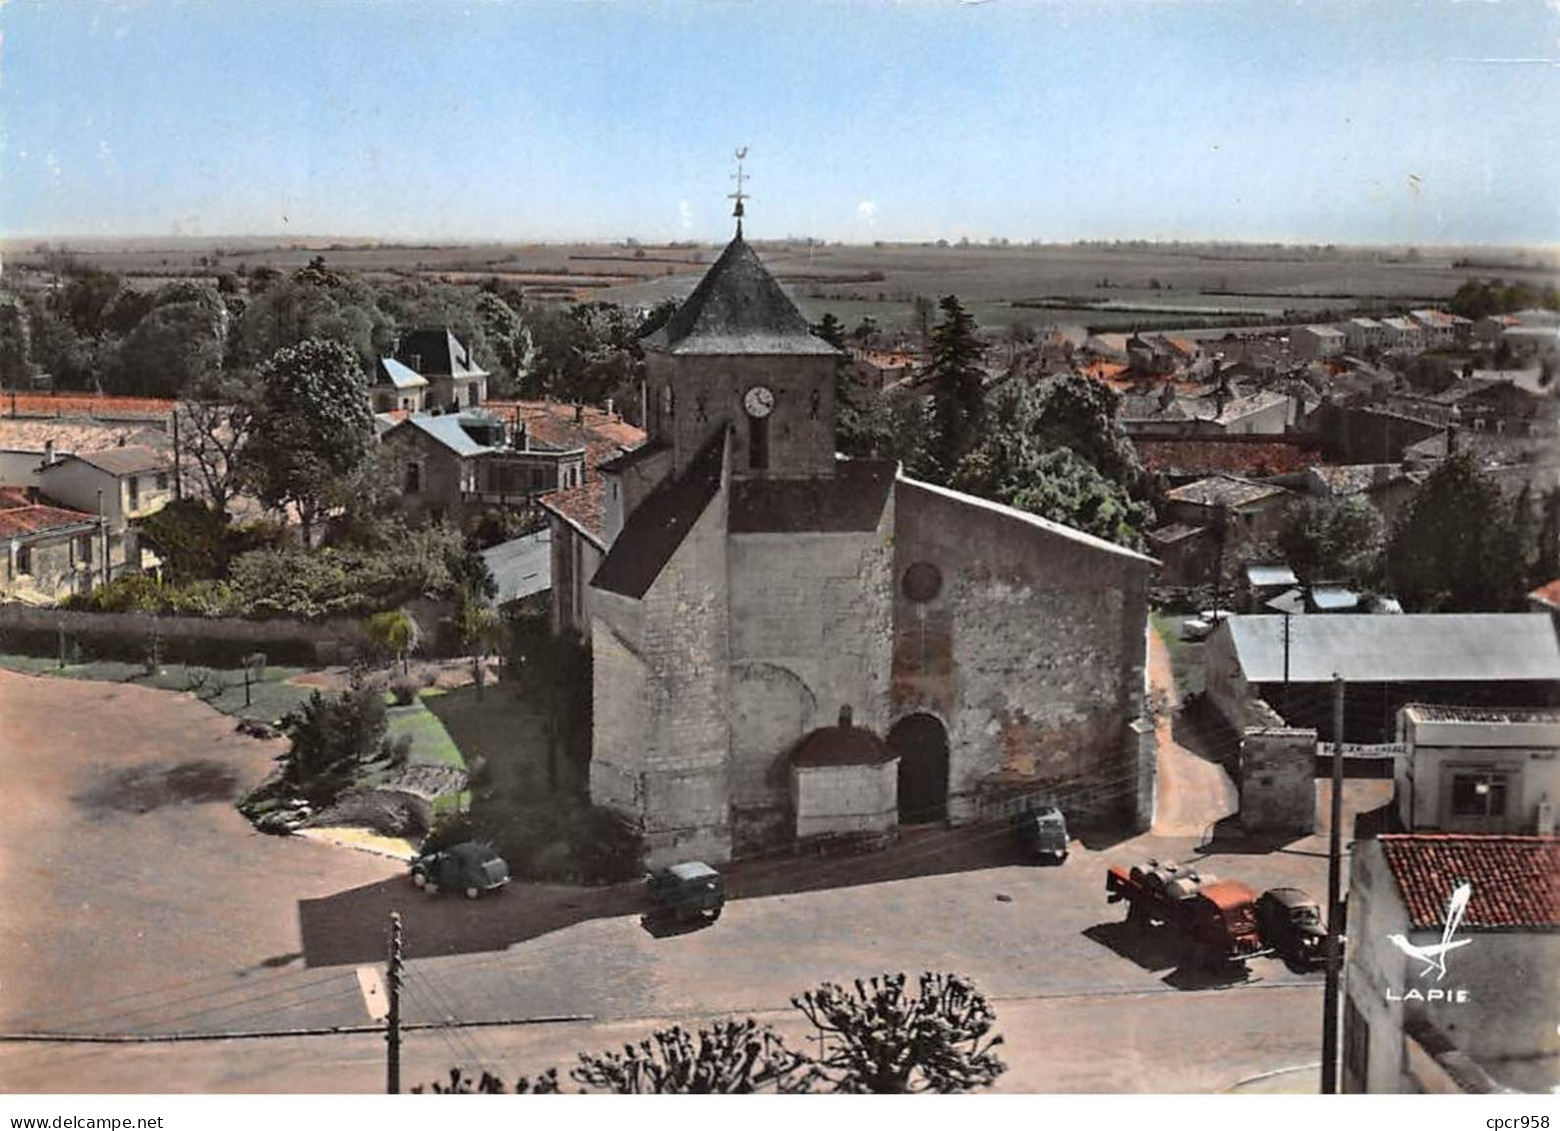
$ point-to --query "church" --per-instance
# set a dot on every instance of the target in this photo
(788, 644)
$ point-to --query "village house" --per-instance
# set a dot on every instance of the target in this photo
(396, 388)
(1316, 342)
(756, 590)
(1386, 486)
(1402, 334)
(1251, 512)
(1478, 769)
(118, 485)
(1489, 330)
(452, 464)
(1361, 334)
(454, 378)
(1484, 1021)
(1443, 330)
(47, 552)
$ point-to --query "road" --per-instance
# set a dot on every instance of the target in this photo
(1164, 1042)
(139, 902)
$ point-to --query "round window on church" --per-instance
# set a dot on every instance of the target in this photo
(922, 582)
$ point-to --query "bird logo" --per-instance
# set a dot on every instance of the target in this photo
(1434, 956)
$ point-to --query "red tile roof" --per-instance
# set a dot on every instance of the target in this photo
(1235, 457)
(552, 422)
(1548, 593)
(1516, 879)
(84, 404)
(581, 505)
(18, 522)
(15, 497)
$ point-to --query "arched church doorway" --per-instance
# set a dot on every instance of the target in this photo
(921, 743)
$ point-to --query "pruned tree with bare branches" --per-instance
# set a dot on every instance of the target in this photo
(878, 1037)
(730, 1057)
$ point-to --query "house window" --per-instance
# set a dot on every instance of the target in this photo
(23, 559)
(133, 485)
(1478, 795)
(1356, 1048)
(84, 549)
(162, 480)
(411, 483)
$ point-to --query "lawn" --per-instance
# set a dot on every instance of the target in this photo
(1186, 657)
(270, 696)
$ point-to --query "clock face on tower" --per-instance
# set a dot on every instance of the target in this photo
(759, 401)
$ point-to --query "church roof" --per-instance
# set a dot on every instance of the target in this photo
(852, 499)
(658, 525)
(738, 308)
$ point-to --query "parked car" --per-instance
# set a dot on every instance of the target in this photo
(692, 890)
(1291, 923)
(469, 867)
(1202, 625)
(1042, 832)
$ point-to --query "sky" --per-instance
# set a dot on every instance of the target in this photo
(1353, 121)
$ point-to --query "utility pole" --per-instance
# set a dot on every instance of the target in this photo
(393, 1019)
(1288, 639)
(1334, 903)
(178, 479)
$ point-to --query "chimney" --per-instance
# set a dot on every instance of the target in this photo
(579, 413)
(48, 452)
(609, 408)
(845, 717)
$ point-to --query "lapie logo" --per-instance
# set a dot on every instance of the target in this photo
(1432, 957)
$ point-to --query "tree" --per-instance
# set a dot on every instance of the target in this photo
(215, 419)
(882, 1039)
(1450, 548)
(1027, 456)
(958, 385)
(1546, 556)
(510, 341)
(730, 1057)
(1080, 414)
(831, 330)
(395, 632)
(15, 345)
(330, 739)
(172, 349)
(1334, 541)
(190, 539)
(312, 431)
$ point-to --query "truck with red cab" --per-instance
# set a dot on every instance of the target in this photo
(1216, 918)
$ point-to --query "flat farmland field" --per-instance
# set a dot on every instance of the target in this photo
(1108, 286)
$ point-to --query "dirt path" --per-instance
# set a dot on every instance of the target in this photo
(1193, 793)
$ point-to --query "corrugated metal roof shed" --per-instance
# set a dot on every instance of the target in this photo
(1402, 648)
(521, 566)
(1261, 576)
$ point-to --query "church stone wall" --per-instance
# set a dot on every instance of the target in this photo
(679, 748)
(811, 631)
(1032, 653)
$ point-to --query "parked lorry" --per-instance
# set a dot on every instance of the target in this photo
(1216, 918)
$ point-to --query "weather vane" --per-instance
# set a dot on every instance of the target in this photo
(739, 196)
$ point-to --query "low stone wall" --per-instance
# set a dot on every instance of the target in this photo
(1277, 787)
(214, 641)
